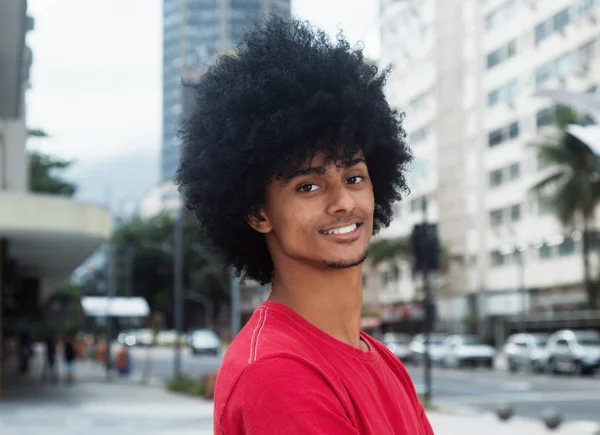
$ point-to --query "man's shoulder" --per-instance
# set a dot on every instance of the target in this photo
(267, 343)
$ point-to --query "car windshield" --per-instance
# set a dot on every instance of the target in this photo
(470, 339)
(588, 340)
(540, 340)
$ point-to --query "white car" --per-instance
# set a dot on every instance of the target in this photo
(526, 351)
(204, 341)
(575, 352)
(463, 350)
(398, 343)
(437, 350)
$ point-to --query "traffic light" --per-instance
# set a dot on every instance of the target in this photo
(425, 247)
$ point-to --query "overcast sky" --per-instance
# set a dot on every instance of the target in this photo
(97, 70)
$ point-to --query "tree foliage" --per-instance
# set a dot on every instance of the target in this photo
(148, 245)
(572, 185)
(45, 175)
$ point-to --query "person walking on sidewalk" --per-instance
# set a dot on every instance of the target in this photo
(49, 367)
(70, 355)
(291, 161)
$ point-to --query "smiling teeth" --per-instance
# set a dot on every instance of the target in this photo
(342, 230)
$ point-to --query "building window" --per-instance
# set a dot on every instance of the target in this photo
(544, 117)
(503, 94)
(500, 15)
(496, 258)
(545, 251)
(501, 54)
(496, 217)
(567, 247)
(419, 135)
(561, 20)
(418, 204)
(586, 52)
(496, 137)
(542, 31)
(496, 178)
(515, 213)
(515, 171)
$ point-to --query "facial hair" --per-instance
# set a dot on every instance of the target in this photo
(345, 265)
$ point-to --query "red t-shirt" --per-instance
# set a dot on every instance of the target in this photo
(282, 375)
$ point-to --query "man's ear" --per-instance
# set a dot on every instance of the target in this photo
(259, 221)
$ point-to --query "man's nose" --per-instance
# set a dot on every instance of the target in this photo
(341, 200)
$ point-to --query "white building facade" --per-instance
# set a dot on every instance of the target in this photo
(465, 73)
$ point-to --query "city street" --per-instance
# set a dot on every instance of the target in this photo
(577, 398)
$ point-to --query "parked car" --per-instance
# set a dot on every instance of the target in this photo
(204, 341)
(436, 348)
(127, 338)
(575, 352)
(398, 343)
(526, 351)
(462, 350)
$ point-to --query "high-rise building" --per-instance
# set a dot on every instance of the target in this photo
(193, 31)
(465, 72)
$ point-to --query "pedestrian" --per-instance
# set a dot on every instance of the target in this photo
(70, 356)
(292, 160)
(49, 367)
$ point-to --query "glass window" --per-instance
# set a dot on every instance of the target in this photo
(561, 20)
(515, 212)
(515, 171)
(567, 247)
(495, 137)
(496, 217)
(541, 32)
(587, 52)
(544, 117)
(545, 251)
(513, 130)
(543, 73)
(496, 258)
(493, 97)
(563, 65)
(496, 178)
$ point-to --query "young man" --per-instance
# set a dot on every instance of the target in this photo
(291, 161)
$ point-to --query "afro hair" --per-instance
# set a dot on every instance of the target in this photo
(286, 94)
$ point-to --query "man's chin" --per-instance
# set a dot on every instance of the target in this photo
(346, 263)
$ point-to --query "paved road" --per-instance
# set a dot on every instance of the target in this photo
(162, 362)
(577, 398)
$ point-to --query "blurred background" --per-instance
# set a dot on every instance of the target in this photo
(488, 276)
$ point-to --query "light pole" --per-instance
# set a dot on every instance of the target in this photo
(178, 290)
(235, 304)
(110, 293)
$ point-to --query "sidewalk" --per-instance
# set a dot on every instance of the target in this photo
(464, 423)
(93, 406)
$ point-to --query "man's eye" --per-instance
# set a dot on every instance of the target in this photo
(355, 180)
(306, 188)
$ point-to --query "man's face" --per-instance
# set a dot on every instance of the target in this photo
(320, 214)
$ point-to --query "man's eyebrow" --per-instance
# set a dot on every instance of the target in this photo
(319, 170)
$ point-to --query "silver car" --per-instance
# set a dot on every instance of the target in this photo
(437, 350)
(526, 351)
(204, 341)
(464, 350)
(575, 352)
(398, 343)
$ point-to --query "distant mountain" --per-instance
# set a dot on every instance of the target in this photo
(120, 181)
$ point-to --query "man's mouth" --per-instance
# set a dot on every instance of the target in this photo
(342, 230)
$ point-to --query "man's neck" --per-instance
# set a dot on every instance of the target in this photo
(330, 299)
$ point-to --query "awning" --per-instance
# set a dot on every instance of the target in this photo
(94, 306)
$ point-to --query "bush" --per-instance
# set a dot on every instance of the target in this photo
(189, 386)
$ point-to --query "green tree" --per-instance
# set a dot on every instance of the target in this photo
(150, 245)
(572, 186)
(44, 175)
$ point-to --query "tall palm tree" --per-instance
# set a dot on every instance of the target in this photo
(574, 181)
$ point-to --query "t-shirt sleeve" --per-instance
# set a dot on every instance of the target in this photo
(284, 396)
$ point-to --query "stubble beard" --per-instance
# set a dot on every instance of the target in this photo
(338, 265)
